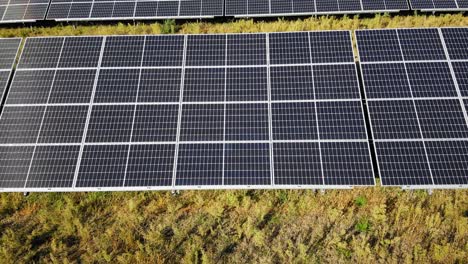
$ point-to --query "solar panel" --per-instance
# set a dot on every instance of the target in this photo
(414, 82)
(244, 8)
(15, 11)
(185, 112)
(438, 5)
(72, 10)
(8, 50)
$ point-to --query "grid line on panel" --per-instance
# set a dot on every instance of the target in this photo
(179, 118)
(316, 115)
(415, 108)
(454, 78)
(43, 115)
(270, 113)
(134, 111)
(88, 116)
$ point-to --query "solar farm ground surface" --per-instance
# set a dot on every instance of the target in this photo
(362, 225)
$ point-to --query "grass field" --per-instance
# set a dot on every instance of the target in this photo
(368, 225)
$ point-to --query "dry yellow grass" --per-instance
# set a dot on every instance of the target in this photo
(370, 225)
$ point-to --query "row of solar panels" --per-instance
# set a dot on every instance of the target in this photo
(274, 110)
(14, 11)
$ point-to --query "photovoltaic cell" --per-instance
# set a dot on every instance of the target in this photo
(204, 84)
(202, 122)
(102, 166)
(14, 165)
(53, 167)
(150, 165)
(200, 164)
(23, 11)
(8, 51)
(294, 121)
(155, 123)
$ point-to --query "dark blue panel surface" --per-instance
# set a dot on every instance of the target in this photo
(247, 122)
(202, 122)
(53, 167)
(431, 79)
(281, 51)
(41, 53)
(387, 80)
(159, 85)
(461, 73)
(331, 46)
(63, 124)
(123, 51)
(14, 165)
(246, 49)
(155, 123)
(72, 87)
(150, 165)
(294, 121)
(291, 83)
(204, 85)
(346, 163)
(421, 44)
(163, 51)
(102, 166)
(247, 164)
(206, 50)
(20, 124)
(30, 87)
(393, 120)
(80, 52)
(341, 120)
(378, 45)
(246, 84)
(297, 164)
(336, 82)
(110, 123)
(403, 163)
(449, 163)
(117, 86)
(442, 119)
(455, 41)
(200, 164)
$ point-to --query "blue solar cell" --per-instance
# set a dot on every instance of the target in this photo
(378, 45)
(247, 122)
(200, 164)
(14, 165)
(341, 120)
(442, 119)
(53, 167)
(346, 163)
(297, 164)
(63, 124)
(206, 50)
(421, 44)
(387, 80)
(20, 124)
(291, 83)
(159, 85)
(247, 164)
(455, 40)
(202, 122)
(403, 163)
(110, 123)
(150, 165)
(155, 123)
(281, 52)
(336, 82)
(331, 46)
(246, 49)
(461, 72)
(117, 86)
(123, 51)
(246, 84)
(393, 120)
(102, 166)
(449, 164)
(294, 121)
(431, 79)
(204, 84)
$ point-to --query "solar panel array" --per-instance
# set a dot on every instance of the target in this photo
(246, 8)
(68, 10)
(8, 50)
(12, 11)
(185, 112)
(416, 84)
(438, 5)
